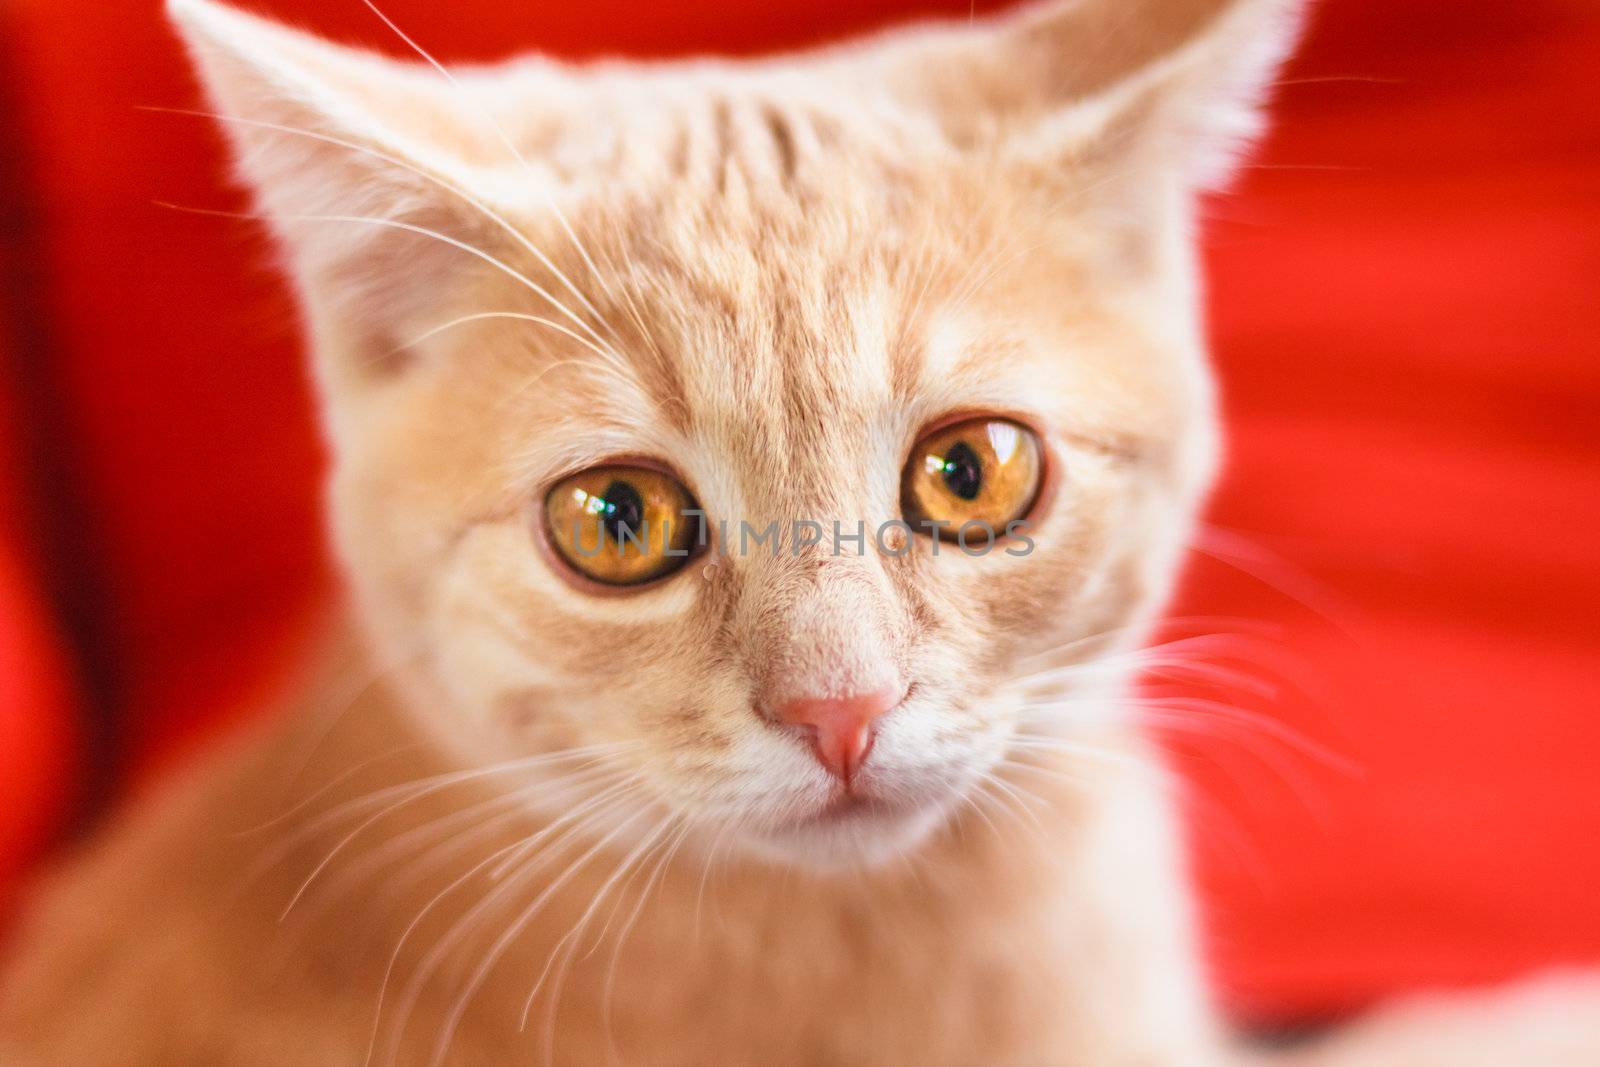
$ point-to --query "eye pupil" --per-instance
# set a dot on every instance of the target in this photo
(624, 510)
(963, 471)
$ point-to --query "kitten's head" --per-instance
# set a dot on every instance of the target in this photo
(941, 276)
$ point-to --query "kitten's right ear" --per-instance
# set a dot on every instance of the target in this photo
(323, 132)
(1170, 89)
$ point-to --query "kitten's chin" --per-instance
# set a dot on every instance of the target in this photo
(849, 833)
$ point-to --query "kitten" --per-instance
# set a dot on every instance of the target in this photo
(887, 359)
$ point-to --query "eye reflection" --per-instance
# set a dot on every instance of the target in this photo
(1004, 437)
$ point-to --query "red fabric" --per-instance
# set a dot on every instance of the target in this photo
(1408, 334)
(36, 725)
(37, 691)
(1409, 339)
(37, 696)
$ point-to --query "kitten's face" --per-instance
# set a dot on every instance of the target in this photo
(786, 283)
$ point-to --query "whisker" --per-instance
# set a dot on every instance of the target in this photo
(669, 850)
(705, 873)
(607, 355)
(435, 859)
(1049, 743)
(339, 707)
(505, 139)
(330, 786)
(519, 763)
(662, 865)
(443, 183)
(1210, 625)
(1174, 653)
(635, 313)
(573, 824)
(1022, 798)
(1287, 774)
(453, 1019)
(515, 801)
(566, 948)
(413, 792)
(1266, 724)
(979, 798)
(406, 227)
(1057, 774)
(1254, 559)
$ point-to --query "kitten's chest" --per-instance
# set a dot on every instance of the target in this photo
(815, 987)
(1027, 973)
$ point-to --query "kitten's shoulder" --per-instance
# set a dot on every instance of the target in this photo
(134, 942)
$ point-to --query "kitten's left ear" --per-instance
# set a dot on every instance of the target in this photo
(323, 132)
(1167, 86)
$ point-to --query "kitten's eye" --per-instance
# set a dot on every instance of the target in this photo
(979, 471)
(621, 525)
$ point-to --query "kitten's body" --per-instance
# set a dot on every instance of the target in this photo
(768, 281)
(168, 945)
(984, 948)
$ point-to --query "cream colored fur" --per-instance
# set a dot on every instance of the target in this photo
(506, 820)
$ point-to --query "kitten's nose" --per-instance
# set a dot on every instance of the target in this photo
(842, 728)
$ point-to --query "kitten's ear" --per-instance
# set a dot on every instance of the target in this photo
(320, 130)
(1171, 85)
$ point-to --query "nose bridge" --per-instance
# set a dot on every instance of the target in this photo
(822, 627)
(818, 610)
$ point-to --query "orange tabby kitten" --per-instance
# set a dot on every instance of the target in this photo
(752, 480)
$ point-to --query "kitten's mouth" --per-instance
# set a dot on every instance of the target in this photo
(859, 809)
(849, 806)
(875, 817)
(851, 828)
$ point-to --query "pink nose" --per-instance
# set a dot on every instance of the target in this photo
(841, 728)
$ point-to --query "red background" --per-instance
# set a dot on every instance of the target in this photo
(1407, 323)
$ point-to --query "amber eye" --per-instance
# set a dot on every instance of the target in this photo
(983, 471)
(622, 525)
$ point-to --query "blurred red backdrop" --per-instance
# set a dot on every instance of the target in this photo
(1404, 298)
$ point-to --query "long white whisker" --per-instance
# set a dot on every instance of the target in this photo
(979, 800)
(453, 1020)
(1053, 773)
(407, 227)
(571, 825)
(514, 800)
(417, 793)
(323, 790)
(1011, 791)
(429, 834)
(567, 947)
(606, 800)
(631, 306)
(520, 763)
(339, 706)
(505, 139)
(1026, 741)
(443, 183)
(434, 331)
(667, 853)
(985, 796)
(705, 874)
(1267, 725)
(309, 829)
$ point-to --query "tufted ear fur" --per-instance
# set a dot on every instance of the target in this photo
(1180, 83)
(352, 156)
